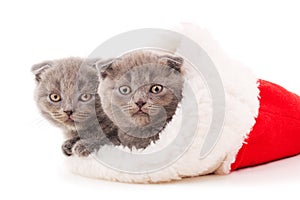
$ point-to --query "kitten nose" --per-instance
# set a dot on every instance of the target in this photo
(140, 103)
(69, 112)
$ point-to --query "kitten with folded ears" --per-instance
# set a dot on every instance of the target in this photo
(66, 94)
(140, 92)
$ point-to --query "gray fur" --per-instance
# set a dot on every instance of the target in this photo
(140, 115)
(87, 128)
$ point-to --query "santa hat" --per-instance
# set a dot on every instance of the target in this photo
(261, 124)
(276, 133)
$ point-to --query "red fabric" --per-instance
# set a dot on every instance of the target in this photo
(276, 134)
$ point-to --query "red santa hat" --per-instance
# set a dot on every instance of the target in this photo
(276, 133)
(261, 123)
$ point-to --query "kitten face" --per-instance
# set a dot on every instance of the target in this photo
(143, 94)
(66, 91)
(141, 90)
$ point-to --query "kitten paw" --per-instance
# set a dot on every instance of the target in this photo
(68, 145)
(67, 148)
(80, 149)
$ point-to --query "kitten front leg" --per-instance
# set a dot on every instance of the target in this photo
(85, 147)
(68, 145)
(81, 149)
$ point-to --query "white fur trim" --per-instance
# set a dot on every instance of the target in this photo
(242, 104)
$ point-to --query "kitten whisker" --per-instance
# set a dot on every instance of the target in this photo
(155, 107)
(82, 115)
(56, 115)
(128, 109)
(126, 106)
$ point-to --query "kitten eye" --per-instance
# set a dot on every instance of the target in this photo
(85, 97)
(124, 89)
(55, 97)
(156, 89)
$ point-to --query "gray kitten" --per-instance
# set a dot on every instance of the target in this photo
(66, 95)
(140, 92)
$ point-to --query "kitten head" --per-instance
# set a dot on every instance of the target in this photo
(66, 90)
(141, 89)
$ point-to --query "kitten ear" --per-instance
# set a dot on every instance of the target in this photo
(173, 62)
(40, 68)
(105, 68)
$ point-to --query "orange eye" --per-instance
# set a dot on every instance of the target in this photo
(85, 97)
(125, 89)
(156, 89)
(55, 97)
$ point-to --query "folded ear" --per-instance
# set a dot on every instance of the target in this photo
(173, 62)
(105, 68)
(40, 68)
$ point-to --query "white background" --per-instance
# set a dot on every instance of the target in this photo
(264, 35)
